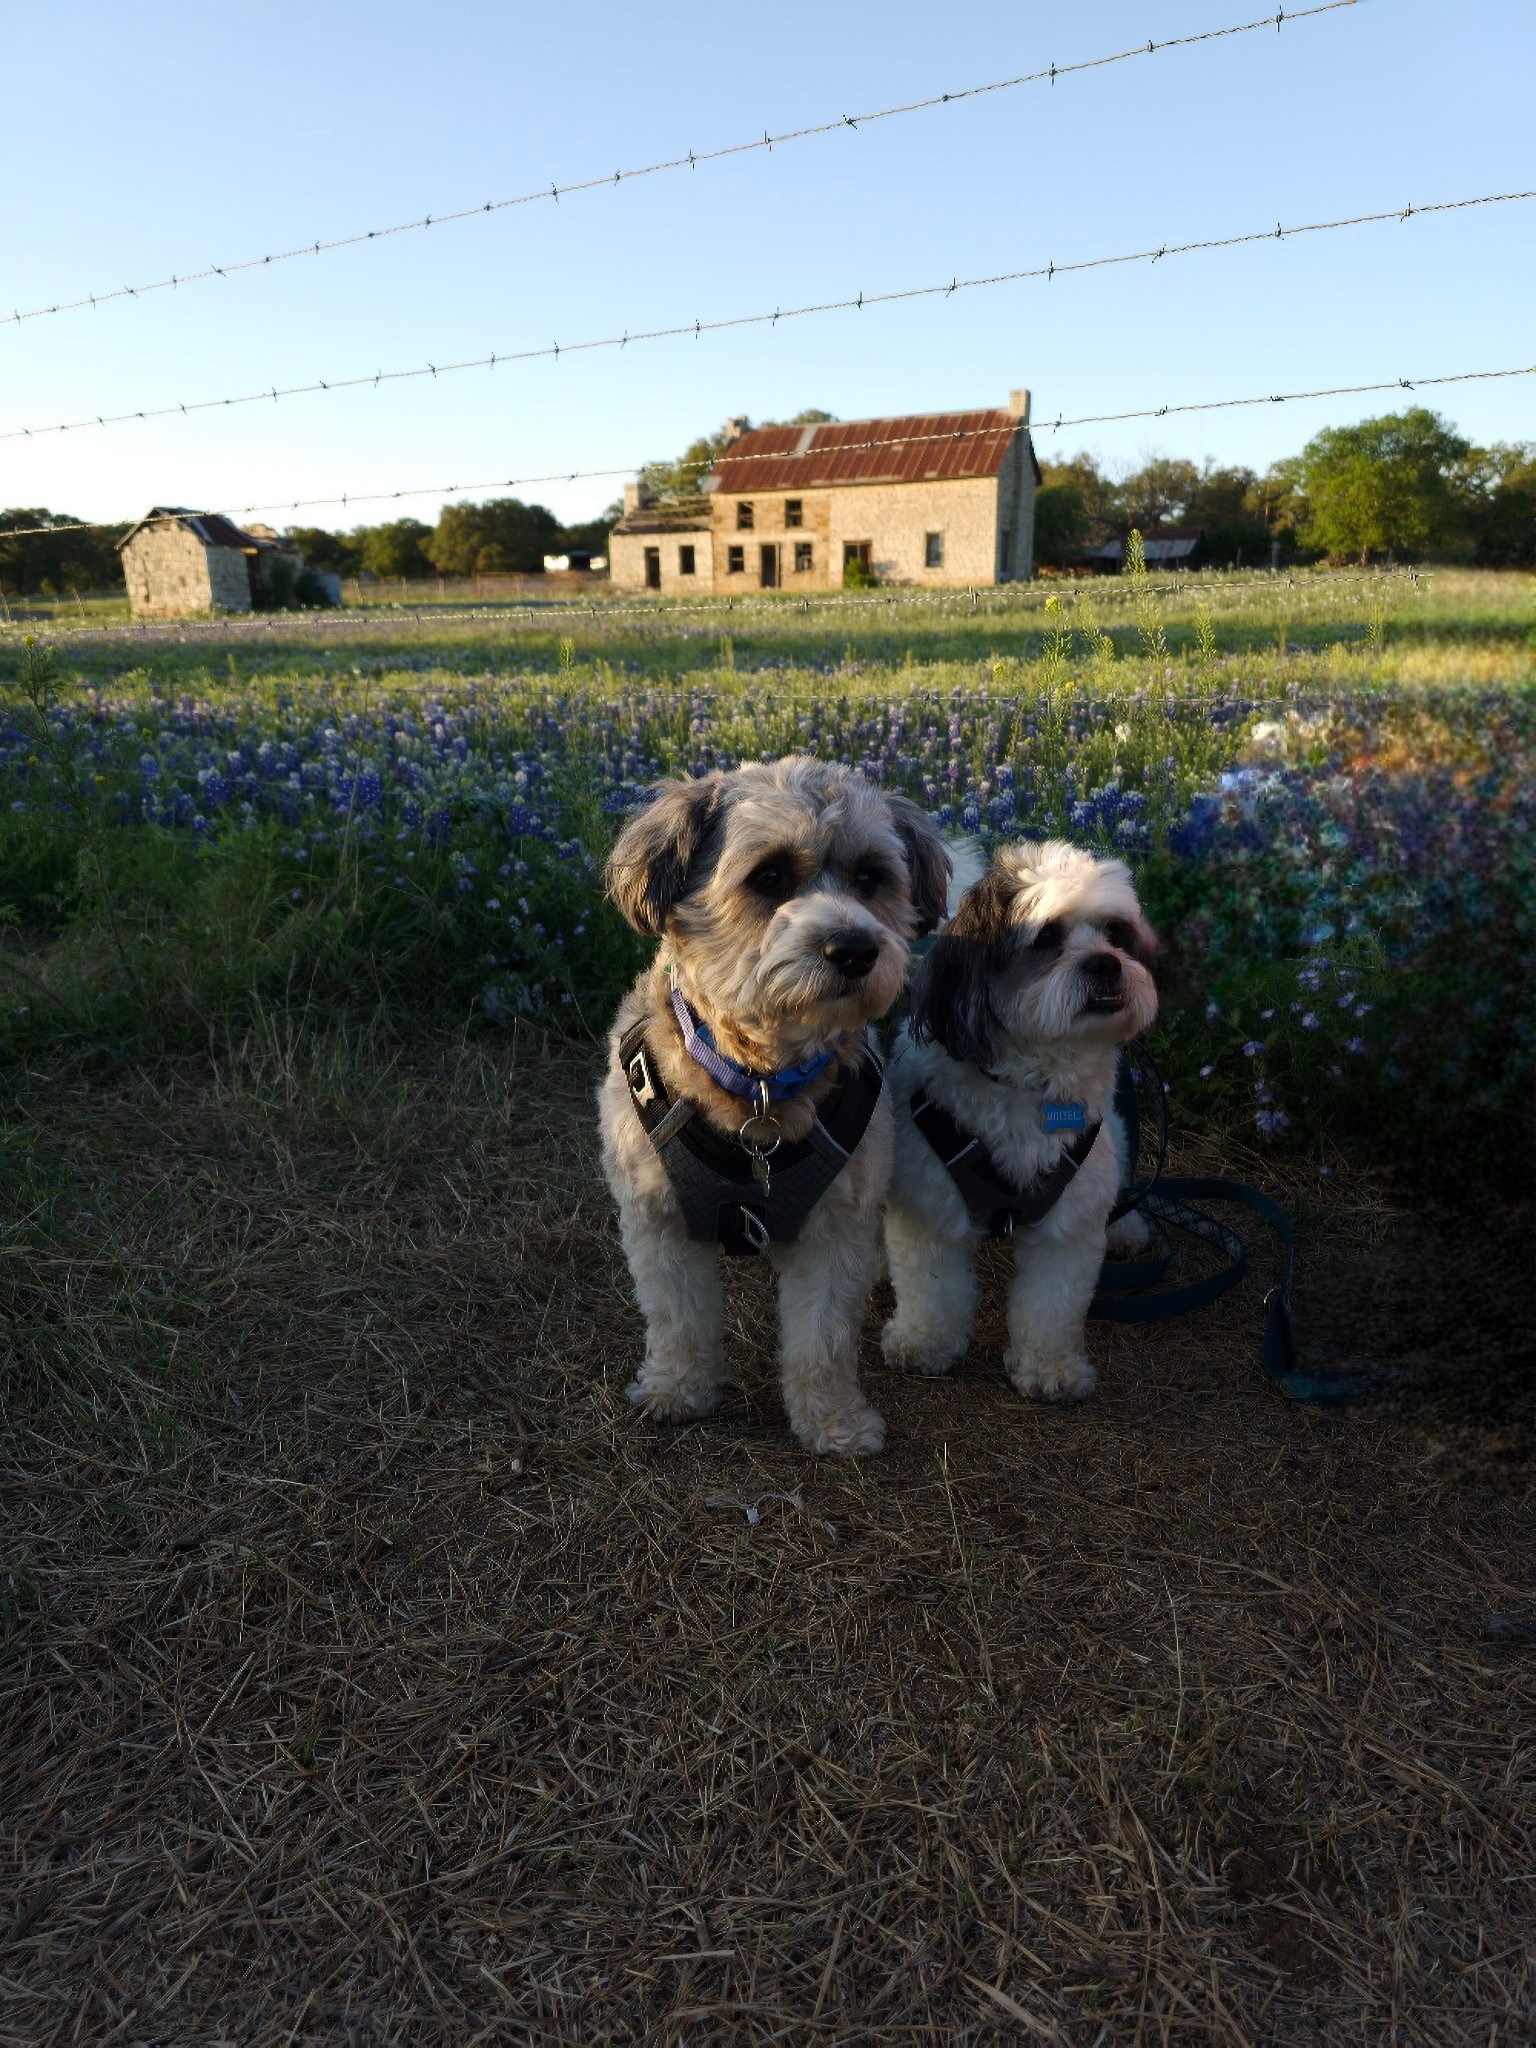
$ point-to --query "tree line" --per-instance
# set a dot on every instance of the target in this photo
(1406, 485)
(503, 535)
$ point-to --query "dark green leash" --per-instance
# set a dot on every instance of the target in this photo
(1123, 1294)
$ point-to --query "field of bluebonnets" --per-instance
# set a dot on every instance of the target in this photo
(375, 1675)
(1325, 783)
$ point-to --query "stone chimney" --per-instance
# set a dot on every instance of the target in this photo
(1018, 405)
(634, 497)
(734, 429)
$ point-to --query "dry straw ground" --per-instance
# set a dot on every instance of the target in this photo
(372, 1675)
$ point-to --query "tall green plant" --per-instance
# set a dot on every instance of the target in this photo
(1149, 623)
(84, 797)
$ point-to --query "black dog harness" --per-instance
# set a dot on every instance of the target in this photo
(740, 1193)
(996, 1206)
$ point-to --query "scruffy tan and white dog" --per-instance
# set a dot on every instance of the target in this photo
(785, 896)
(1018, 1015)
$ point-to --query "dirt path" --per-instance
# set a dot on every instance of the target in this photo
(371, 1675)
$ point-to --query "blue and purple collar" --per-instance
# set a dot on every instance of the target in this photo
(759, 1089)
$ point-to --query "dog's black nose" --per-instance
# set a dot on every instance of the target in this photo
(1102, 969)
(851, 953)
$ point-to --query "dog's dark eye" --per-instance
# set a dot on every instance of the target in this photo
(1120, 934)
(868, 880)
(1048, 938)
(773, 879)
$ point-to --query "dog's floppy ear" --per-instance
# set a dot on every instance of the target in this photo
(928, 861)
(952, 996)
(648, 868)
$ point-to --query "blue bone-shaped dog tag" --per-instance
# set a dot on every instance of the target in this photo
(1065, 1116)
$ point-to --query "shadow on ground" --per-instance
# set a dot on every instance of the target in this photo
(372, 1675)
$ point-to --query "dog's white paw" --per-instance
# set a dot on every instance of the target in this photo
(675, 1400)
(857, 1431)
(1129, 1233)
(1051, 1379)
(913, 1351)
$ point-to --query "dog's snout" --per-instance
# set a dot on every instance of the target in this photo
(851, 953)
(1102, 969)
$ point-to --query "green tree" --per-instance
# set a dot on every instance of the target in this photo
(1388, 484)
(503, 534)
(1157, 494)
(588, 534)
(342, 553)
(1498, 487)
(67, 560)
(1074, 507)
(1228, 505)
(396, 549)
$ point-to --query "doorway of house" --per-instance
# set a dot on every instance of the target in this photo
(768, 557)
(856, 557)
(653, 568)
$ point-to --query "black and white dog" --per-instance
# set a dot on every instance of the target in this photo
(1003, 1080)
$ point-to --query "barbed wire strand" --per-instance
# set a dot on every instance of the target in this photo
(691, 161)
(951, 435)
(697, 328)
(554, 613)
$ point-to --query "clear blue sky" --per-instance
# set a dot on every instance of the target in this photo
(149, 139)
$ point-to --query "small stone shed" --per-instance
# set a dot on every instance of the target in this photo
(930, 499)
(178, 563)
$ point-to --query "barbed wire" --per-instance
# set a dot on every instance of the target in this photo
(553, 193)
(1087, 419)
(697, 328)
(554, 613)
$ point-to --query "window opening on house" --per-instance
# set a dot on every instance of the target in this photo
(933, 551)
(794, 512)
(743, 515)
(802, 556)
(685, 561)
(735, 560)
(653, 568)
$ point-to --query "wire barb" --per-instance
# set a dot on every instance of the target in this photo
(699, 327)
(845, 448)
(692, 160)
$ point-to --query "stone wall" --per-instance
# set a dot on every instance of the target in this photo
(895, 519)
(1016, 514)
(171, 575)
(985, 525)
(626, 561)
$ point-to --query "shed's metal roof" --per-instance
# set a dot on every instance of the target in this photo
(211, 528)
(918, 448)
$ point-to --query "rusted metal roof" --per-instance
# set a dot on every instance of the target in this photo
(919, 448)
(211, 528)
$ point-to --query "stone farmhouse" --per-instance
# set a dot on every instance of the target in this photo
(935, 499)
(178, 563)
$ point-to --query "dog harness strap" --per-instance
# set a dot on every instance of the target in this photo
(721, 1200)
(995, 1205)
